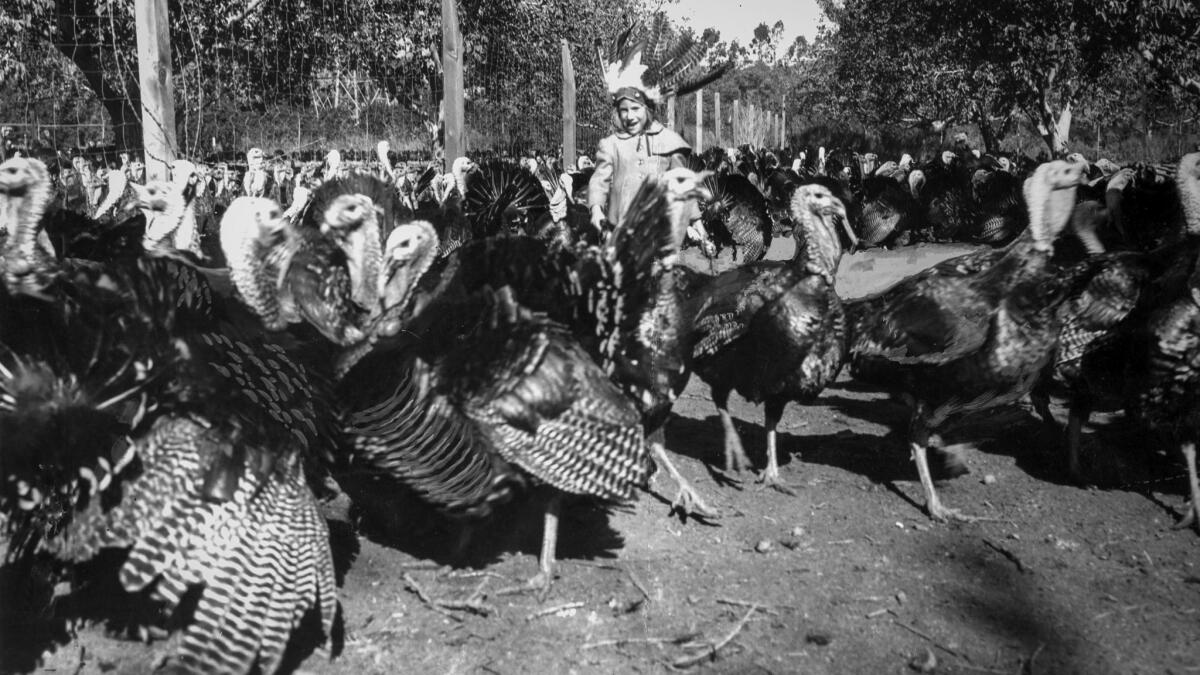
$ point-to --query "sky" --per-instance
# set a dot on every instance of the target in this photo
(736, 19)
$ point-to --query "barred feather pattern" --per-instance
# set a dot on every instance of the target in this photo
(262, 557)
(318, 287)
(1165, 369)
(1090, 316)
(404, 430)
(593, 447)
(737, 216)
(618, 301)
(548, 406)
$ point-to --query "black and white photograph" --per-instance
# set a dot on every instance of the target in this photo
(506, 337)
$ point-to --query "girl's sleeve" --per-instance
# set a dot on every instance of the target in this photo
(601, 182)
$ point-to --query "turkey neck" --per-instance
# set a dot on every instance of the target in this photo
(820, 250)
(116, 189)
(1188, 183)
(29, 218)
(164, 223)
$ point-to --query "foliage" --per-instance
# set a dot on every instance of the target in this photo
(233, 55)
(1110, 72)
(941, 62)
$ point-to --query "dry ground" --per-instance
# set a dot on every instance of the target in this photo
(849, 576)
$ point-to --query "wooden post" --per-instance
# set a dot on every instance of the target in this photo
(452, 74)
(783, 123)
(157, 93)
(670, 121)
(699, 146)
(717, 118)
(737, 118)
(568, 102)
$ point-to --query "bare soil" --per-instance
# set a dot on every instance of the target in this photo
(849, 576)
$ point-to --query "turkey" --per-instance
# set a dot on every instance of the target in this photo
(176, 228)
(947, 206)
(566, 223)
(323, 270)
(997, 194)
(736, 220)
(130, 419)
(465, 392)
(1122, 333)
(620, 302)
(772, 331)
(887, 211)
(960, 344)
(503, 199)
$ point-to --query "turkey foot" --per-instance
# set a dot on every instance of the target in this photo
(687, 501)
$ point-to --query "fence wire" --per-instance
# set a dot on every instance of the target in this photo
(297, 78)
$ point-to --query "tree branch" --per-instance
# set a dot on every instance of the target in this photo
(1188, 84)
(251, 8)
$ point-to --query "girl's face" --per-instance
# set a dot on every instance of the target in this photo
(632, 115)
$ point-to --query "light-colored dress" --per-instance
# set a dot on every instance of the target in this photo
(623, 161)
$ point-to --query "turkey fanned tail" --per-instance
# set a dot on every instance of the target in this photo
(263, 556)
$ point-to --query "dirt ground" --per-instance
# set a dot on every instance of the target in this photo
(849, 576)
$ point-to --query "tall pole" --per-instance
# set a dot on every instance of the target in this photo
(783, 123)
(452, 72)
(737, 118)
(699, 121)
(157, 92)
(670, 121)
(568, 103)
(717, 118)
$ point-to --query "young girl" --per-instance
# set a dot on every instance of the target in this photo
(640, 147)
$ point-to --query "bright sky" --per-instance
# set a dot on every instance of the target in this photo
(736, 19)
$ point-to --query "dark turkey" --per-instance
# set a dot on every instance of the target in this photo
(130, 418)
(956, 344)
(773, 331)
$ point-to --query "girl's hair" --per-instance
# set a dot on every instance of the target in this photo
(651, 115)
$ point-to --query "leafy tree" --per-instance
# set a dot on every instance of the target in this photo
(943, 62)
(1163, 33)
(232, 55)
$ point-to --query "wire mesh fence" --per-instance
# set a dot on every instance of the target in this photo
(296, 78)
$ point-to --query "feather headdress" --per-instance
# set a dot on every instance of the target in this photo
(655, 62)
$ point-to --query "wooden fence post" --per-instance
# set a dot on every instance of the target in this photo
(737, 118)
(783, 123)
(157, 92)
(670, 121)
(452, 73)
(717, 118)
(699, 147)
(568, 102)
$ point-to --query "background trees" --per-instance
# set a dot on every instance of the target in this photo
(1067, 72)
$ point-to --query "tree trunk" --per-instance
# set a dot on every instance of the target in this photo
(991, 143)
(1054, 130)
(125, 113)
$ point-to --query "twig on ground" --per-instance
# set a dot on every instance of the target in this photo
(616, 568)
(931, 641)
(638, 641)
(443, 606)
(1027, 669)
(1007, 554)
(710, 651)
(553, 610)
(762, 607)
(82, 660)
(637, 584)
